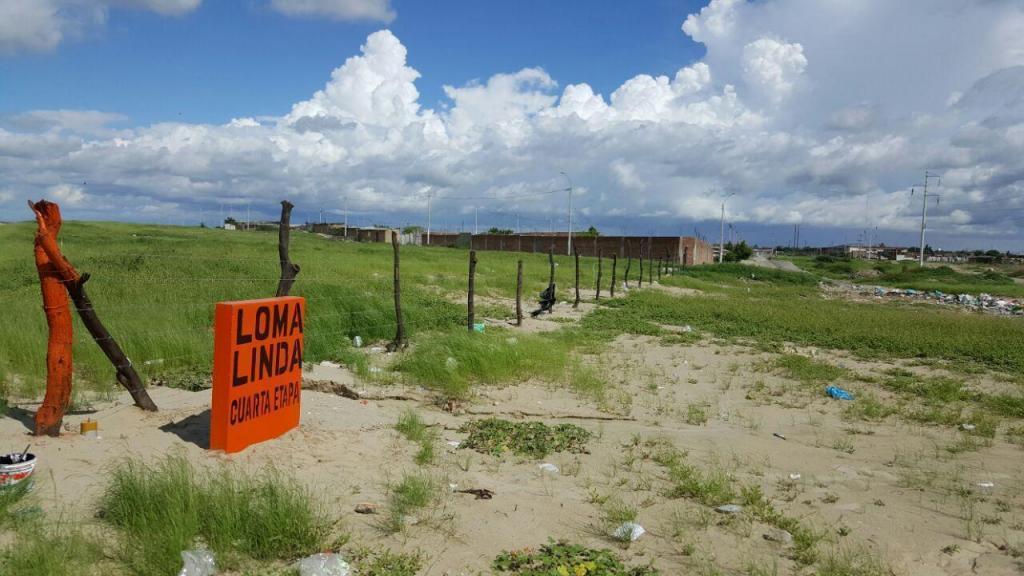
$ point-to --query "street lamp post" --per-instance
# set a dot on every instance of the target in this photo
(569, 190)
(721, 237)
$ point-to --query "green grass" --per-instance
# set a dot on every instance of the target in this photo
(807, 370)
(451, 362)
(169, 506)
(411, 426)
(532, 439)
(414, 492)
(384, 562)
(911, 275)
(772, 314)
(155, 288)
(564, 559)
(52, 550)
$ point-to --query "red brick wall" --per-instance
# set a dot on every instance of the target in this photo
(674, 248)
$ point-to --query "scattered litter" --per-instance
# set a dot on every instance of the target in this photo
(323, 564)
(687, 328)
(329, 364)
(375, 370)
(838, 393)
(90, 429)
(480, 493)
(478, 327)
(729, 509)
(630, 531)
(454, 443)
(198, 563)
(982, 302)
(968, 427)
(548, 467)
(453, 487)
(153, 362)
(779, 435)
(357, 342)
(794, 476)
(986, 485)
(778, 535)
(376, 350)
(366, 508)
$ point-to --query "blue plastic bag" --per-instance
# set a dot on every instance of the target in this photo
(838, 393)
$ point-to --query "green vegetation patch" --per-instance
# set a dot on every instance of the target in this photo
(413, 492)
(169, 506)
(413, 428)
(384, 562)
(808, 370)
(564, 559)
(57, 550)
(450, 362)
(533, 439)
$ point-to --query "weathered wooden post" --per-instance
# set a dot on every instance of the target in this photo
(640, 282)
(519, 293)
(576, 255)
(288, 270)
(58, 279)
(629, 261)
(615, 260)
(472, 287)
(661, 262)
(400, 340)
(597, 290)
(650, 263)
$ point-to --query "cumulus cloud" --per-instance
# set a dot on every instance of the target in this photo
(801, 123)
(40, 25)
(378, 10)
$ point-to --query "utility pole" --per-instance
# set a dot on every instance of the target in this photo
(248, 214)
(476, 220)
(346, 216)
(721, 236)
(429, 194)
(569, 189)
(924, 210)
(519, 229)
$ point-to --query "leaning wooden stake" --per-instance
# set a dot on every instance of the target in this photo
(576, 255)
(519, 293)
(288, 270)
(56, 275)
(551, 265)
(597, 290)
(615, 260)
(472, 287)
(400, 340)
(661, 263)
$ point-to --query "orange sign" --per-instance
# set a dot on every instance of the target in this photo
(257, 371)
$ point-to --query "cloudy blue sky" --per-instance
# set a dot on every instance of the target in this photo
(823, 114)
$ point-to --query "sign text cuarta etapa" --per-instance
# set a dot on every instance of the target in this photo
(257, 371)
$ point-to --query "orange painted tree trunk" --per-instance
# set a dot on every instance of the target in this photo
(58, 320)
(48, 221)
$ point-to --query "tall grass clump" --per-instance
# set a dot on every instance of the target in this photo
(451, 362)
(52, 550)
(413, 492)
(414, 429)
(169, 506)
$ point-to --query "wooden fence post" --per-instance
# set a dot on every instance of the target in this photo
(472, 287)
(629, 262)
(615, 260)
(576, 255)
(519, 293)
(640, 283)
(650, 263)
(597, 290)
(400, 340)
(661, 262)
(288, 270)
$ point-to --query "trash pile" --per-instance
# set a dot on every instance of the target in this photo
(982, 302)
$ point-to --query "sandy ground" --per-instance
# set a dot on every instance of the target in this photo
(890, 487)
